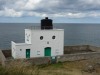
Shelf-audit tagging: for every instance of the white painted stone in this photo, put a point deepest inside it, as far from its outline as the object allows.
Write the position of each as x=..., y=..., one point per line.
x=37, y=46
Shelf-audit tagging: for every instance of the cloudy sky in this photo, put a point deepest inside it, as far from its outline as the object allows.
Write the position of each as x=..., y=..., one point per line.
x=67, y=11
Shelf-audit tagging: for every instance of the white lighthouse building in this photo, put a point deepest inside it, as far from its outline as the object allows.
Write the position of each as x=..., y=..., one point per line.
x=40, y=42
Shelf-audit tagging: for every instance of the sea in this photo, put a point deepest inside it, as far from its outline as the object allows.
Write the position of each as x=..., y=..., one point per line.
x=75, y=33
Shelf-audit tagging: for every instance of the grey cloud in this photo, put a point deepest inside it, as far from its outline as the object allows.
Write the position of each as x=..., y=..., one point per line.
x=6, y=3
x=2, y=3
x=62, y=6
x=56, y=7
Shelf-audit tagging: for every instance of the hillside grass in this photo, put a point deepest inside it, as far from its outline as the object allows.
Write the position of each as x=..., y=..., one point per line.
x=66, y=68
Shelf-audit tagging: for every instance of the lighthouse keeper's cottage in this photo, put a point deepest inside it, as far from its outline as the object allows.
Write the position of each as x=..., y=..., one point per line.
x=40, y=42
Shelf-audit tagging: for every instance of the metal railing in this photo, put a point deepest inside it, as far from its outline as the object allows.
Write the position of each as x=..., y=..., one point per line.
x=41, y=27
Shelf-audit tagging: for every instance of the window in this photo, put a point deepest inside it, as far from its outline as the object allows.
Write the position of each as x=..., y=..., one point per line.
x=38, y=52
x=27, y=38
x=20, y=49
x=57, y=52
x=41, y=37
x=48, y=42
x=53, y=37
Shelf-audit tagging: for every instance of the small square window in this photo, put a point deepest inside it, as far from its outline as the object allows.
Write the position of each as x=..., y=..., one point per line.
x=57, y=52
x=20, y=49
x=47, y=42
x=38, y=52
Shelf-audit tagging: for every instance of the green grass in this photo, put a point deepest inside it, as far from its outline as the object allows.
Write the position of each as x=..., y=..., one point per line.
x=57, y=65
x=66, y=68
x=33, y=70
x=46, y=69
x=11, y=71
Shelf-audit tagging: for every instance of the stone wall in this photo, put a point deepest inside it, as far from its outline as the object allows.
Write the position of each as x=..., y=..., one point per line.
x=78, y=56
x=27, y=62
x=80, y=49
x=72, y=53
x=94, y=48
x=2, y=58
x=47, y=60
x=76, y=49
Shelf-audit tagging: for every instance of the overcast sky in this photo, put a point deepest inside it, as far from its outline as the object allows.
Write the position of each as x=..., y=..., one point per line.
x=61, y=11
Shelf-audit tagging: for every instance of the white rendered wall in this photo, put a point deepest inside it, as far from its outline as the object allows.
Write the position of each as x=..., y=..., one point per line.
x=28, y=36
x=13, y=47
x=37, y=46
x=21, y=50
x=57, y=44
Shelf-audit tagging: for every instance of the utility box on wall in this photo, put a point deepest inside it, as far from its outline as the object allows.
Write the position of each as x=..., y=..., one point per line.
x=40, y=42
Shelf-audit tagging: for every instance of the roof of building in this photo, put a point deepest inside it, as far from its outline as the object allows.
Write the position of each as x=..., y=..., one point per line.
x=39, y=28
x=22, y=43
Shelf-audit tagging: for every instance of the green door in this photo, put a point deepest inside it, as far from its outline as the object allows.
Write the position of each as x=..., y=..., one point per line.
x=27, y=53
x=47, y=51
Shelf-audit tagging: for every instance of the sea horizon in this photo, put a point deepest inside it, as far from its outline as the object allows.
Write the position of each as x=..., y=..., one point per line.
x=75, y=33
